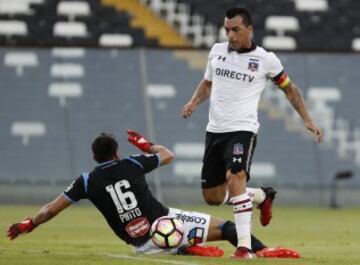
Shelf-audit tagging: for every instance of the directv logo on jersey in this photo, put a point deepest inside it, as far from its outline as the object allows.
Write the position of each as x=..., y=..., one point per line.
x=234, y=75
x=253, y=65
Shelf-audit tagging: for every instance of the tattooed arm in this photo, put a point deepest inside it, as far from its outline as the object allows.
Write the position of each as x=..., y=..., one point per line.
x=294, y=96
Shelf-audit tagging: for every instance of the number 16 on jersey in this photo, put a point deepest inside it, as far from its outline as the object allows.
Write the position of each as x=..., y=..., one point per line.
x=123, y=200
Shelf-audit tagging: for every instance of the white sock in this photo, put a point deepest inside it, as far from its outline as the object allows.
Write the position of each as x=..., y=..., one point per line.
x=242, y=216
x=257, y=196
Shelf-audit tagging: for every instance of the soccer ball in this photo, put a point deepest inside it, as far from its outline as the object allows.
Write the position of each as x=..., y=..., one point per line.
x=167, y=232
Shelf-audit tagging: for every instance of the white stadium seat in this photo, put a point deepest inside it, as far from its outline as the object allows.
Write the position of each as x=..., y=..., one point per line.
x=13, y=27
x=161, y=91
x=282, y=23
x=67, y=70
x=279, y=42
x=187, y=169
x=73, y=9
x=19, y=60
x=355, y=45
x=70, y=29
x=115, y=40
x=263, y=170
x=15, y=7
x=68, y=52
x=318, y=99
x=65, y=90
x=189, y=150
x=28, y=2
x=311, y=5
x=27, y=129
x=321, y=94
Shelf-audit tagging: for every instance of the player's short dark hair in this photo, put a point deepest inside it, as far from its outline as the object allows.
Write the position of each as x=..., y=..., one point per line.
x=104, y=147
x=239, y=11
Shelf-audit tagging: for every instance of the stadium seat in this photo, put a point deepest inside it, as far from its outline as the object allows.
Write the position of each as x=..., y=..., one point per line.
x=73, y=9
x=28, y=129
x=12, y=7
x=68, y=52
x=70, y=29
x=188, y=163
x=323, y=94
x=311, y=5
x=319, y=99
x=282, y=23
x=115, y=40
x=20, y=60
x=355, y=45
x=263, y=170
x=188, y=171
x=67, y=70
x=189, y=150
x=159, y=91
x=13, y=27
x=279, y=42
x=64, y=91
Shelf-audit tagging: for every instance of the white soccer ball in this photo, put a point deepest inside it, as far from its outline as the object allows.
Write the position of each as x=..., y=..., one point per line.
x=167, y=232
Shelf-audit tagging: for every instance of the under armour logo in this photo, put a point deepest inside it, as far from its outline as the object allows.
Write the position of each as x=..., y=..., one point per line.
x=222, y=58
x=237, y=160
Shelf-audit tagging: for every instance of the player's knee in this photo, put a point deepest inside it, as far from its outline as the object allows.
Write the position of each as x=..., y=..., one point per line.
x=213, y=199
x=237, y=178
x=236, y=183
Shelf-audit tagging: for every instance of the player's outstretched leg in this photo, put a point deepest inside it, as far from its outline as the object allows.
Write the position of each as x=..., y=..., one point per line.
x=266, y=206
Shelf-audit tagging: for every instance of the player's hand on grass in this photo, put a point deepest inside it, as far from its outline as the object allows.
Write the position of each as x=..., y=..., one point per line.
x=25, y=226
x=139, y=141
x=311, y=126
x=188, y=109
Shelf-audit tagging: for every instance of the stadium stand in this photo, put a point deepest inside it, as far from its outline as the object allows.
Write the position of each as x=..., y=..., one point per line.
x=67, y=23
x=78, y=93
x=279, y=24
x=201, y=22
x=56, y=98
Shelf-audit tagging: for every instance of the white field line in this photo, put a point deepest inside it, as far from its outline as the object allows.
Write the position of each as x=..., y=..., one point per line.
x=165, y=261
x=110, y=255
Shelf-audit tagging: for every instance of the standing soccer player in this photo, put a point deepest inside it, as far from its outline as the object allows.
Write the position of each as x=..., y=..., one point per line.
x=235, y=77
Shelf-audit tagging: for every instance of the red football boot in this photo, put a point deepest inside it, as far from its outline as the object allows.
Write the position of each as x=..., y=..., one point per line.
x=242, y=253
x=266, y=206
x=204, y=251
x=278, y=252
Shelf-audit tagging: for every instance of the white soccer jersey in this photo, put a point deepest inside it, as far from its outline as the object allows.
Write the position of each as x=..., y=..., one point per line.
x=238, y=80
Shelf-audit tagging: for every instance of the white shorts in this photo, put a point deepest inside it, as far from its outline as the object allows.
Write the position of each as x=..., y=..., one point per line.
x=196, y=228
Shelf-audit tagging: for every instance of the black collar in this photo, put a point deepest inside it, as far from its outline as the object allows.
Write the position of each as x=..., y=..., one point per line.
x=106, y=163
x=243, y=50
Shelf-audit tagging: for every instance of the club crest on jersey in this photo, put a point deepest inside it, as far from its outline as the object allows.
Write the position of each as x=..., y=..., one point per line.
x=238, y=149
x=196, y=236
x=253, y=65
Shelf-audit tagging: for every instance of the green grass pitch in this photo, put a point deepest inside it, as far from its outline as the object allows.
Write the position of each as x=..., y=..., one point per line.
x=80, y=235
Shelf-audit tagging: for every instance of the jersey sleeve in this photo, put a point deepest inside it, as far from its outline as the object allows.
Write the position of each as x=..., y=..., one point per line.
x=273, y=66
x=145, y=163
x=208, y=75
x=76, y=190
